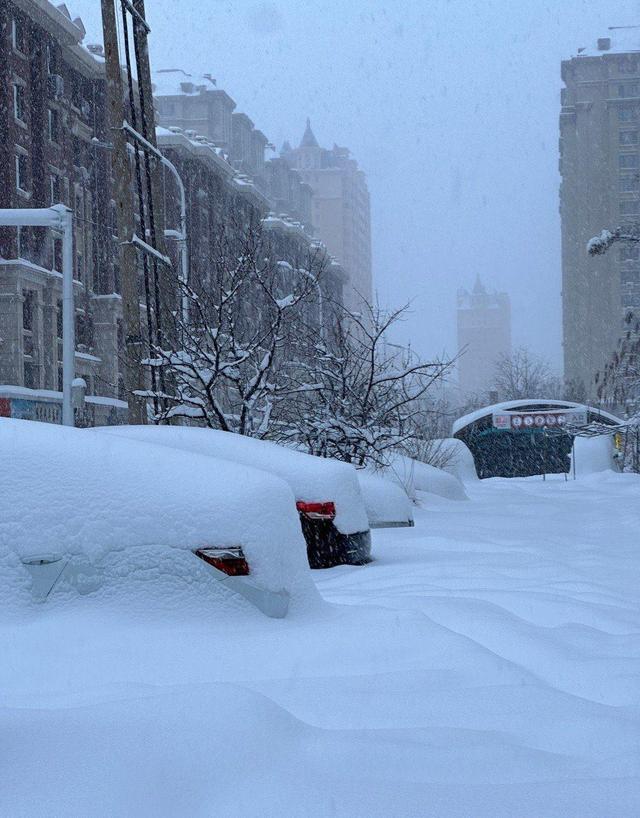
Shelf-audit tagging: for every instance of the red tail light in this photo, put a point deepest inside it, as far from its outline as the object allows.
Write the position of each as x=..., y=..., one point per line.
x=317, y=511
x=229, y=560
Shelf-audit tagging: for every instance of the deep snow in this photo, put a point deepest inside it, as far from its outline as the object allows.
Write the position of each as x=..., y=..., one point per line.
x=486, y=664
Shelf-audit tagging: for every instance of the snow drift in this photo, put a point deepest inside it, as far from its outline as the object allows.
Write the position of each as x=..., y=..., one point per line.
x=414, y=476
x=457, y=458
x=592, y=455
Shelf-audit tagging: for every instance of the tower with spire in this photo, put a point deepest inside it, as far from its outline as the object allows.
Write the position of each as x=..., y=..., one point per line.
x=341, y=212
x=484, y=335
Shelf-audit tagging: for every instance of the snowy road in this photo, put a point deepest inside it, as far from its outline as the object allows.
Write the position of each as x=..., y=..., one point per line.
x=486, y=664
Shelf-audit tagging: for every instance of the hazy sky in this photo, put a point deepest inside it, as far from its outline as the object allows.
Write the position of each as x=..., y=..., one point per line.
x=450, y=106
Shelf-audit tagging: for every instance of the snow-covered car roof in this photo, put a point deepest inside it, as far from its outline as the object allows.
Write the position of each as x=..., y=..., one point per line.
x=62, y=490
x=312, y=479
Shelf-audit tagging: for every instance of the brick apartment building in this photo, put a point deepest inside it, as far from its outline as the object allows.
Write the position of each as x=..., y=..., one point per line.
x=54, y=148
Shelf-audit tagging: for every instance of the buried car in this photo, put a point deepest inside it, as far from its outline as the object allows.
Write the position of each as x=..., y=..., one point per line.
x=77, y=509
x=327, y=493
x=386, y=502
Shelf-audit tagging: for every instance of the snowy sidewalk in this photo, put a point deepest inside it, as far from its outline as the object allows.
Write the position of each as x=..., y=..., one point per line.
x=486, y=664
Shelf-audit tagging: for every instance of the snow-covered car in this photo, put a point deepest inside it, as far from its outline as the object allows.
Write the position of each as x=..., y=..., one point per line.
x=386, y=502
x=416, y=476
x=327, y=493
x=74, y=507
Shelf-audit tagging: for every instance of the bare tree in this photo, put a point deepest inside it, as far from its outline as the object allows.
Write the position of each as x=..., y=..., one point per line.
x=230, y=362
x=523, y=375
x=369, y=404
x=618, y=385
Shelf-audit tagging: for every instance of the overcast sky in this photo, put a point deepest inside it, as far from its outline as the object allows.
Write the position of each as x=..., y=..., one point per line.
x=450, y=106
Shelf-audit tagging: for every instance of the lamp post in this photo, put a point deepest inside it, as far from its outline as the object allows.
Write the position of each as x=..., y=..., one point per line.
x=58, y=217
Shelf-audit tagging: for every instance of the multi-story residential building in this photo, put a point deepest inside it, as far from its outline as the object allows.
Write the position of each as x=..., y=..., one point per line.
x=197, y=106
x=52, y=105
x=218, y=198
x=484, y=335
x=341, y=211
x=55, y=148
x=600, y=169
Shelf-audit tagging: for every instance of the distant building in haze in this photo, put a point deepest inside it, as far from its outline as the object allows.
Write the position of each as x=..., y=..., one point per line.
x=340, y=215
x=484, y=334
x=600, y=168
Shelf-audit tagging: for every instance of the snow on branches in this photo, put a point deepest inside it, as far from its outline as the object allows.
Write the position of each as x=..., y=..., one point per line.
x=373, y=394
x=598, y=245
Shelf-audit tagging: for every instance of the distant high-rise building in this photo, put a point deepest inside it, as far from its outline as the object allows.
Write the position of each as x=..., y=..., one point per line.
x=600, y=168
x=340, y=215
x=484, y=335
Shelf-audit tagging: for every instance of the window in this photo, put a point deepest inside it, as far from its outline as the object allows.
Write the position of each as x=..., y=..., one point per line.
x=57, y=254
x=76, y=90
x=627, y=89
x=31, y=375
x=54, y=125
x=627, y=113
x=54, y=187
x=51, y=59
x=628, y=137
x=59, y=319
x=628, y=160
x=18, y=34
x=630, y=208
x=28, y=309
x=629, y=184
x=18, y=102
x=28, y=349
x=629, y=252
x=630, y=277
x=21, y=172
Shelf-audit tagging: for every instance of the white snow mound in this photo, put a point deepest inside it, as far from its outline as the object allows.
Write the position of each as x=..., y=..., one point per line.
x=415, y=476
x=458, y=457
x=592, y=455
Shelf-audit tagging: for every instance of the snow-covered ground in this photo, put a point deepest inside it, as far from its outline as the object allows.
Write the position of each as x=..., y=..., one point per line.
x=486, y=664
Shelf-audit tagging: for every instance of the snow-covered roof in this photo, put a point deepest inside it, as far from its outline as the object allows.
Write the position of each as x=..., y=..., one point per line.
x=199, y=146
x=171, y=82
x=615, y=41
x=512, y=405
x=313, y=479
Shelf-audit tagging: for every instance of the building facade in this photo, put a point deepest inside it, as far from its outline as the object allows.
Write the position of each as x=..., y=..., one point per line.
x=600, y=188
x=55, y=148
x=52, y=105
x=484, y=335
x=340, y=210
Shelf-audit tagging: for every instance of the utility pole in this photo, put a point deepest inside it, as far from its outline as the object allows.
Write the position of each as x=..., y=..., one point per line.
x=133, y=341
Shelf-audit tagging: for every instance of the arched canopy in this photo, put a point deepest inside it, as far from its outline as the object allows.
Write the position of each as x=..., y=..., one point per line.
x=532, y=405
